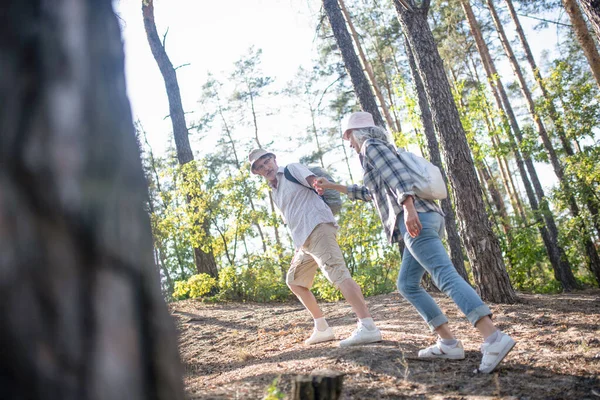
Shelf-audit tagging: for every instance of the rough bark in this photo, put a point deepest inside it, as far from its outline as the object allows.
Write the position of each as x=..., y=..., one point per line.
x=584, y=37
x=454, y=245
x=549, y=231
x=80, y=303
x=482, y=246
x=205, y=261
x=593, y=258
x=592, y=10
x=351, y=61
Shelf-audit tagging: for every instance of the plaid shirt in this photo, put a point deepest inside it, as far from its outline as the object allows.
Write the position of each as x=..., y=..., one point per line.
x=387, y=183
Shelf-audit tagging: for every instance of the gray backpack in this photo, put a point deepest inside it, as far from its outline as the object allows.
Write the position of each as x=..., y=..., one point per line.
x=331, y=197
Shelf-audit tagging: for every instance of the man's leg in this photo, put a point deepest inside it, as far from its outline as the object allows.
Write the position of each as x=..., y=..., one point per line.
x=353, y=295
x=299, y=279
x=307, y=298
x=323, y=247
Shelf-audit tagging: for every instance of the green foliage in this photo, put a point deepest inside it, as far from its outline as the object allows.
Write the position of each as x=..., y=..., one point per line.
x=196, y=286
x=373, y=262
x=261, y=280
x=525, y=255
x=575, y=94
x=273, y=393
x=201, y=284
x=324, y=290
x=182, y=290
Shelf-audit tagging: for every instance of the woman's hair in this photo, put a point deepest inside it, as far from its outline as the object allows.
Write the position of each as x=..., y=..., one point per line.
x=373, y=132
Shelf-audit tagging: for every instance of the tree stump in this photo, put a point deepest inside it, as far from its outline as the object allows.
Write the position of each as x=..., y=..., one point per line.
x=319, y=385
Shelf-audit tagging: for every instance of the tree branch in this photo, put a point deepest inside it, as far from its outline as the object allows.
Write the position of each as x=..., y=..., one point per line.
x=165, y=38
x=182, y=65
x=406, y=5
x=546, y=20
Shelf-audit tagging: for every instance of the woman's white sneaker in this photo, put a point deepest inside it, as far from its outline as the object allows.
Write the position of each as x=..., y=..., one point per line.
x=320, y=336
x=440, y=350
x=362, y=335
x=494, y=353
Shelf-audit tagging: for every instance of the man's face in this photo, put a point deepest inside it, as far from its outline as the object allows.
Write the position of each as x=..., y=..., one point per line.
x=266, y=167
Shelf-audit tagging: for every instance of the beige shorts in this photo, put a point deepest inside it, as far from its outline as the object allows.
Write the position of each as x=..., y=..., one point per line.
x=321, y=250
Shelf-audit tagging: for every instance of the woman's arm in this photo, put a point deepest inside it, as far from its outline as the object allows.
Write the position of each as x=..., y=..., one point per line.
x=321, y=184
x=354, y=192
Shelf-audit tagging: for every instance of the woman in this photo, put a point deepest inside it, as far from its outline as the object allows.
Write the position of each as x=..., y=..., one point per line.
x=420, y=223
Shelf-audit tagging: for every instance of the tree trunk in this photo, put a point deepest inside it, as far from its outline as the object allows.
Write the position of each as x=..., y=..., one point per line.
x=583, y=36
x=456, y=252
x=496, y=197
x=592, y=10
x=324, y=385
x=368, y=68
x=388, y=87
x=507, y=180
x=593, y=258
x=549, y=232
x=352, y=63
x=81, y=309
x=483, y=248
x=205, y=261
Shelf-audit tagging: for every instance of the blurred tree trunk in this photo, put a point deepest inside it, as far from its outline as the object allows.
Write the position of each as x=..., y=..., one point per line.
x=549, y=231
x=205, y=260
x=351, y=61
x=592, y=10
x=456, y=252
x=80, y=303
x=593, y=259
x=584, y=37
x=482, y=246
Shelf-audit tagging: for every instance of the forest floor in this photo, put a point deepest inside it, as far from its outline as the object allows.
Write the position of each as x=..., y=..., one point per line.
x=237, y=350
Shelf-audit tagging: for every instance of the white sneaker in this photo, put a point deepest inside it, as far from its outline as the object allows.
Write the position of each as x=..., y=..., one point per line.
x=362, y=335
x=441, y=350
x=494, y=353
x=320, y=336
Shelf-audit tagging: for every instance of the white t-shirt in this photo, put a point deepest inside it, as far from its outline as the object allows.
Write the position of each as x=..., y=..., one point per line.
x=302, y=208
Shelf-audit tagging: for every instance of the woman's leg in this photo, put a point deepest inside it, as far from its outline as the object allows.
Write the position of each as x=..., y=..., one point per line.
x=428, y=250
x=409, y=286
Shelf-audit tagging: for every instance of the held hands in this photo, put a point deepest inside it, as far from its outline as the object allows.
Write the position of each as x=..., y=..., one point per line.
x=320, y=184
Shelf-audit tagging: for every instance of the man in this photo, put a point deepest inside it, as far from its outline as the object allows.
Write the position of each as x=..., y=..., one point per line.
x=313, y=228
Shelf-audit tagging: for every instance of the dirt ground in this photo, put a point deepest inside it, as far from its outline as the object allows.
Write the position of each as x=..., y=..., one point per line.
x=237, y=350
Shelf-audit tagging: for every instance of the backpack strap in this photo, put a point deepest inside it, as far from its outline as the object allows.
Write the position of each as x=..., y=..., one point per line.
x=290, y=177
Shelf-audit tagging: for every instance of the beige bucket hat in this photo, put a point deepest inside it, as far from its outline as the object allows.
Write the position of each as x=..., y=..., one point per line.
x=255, y=155
x=360, y=119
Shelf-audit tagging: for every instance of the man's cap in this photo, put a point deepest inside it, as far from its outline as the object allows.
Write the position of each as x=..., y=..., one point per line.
x=357, y=120
x=255, y=155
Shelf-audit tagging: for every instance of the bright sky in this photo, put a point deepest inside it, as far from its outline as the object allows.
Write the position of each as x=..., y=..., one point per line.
x=211, y=36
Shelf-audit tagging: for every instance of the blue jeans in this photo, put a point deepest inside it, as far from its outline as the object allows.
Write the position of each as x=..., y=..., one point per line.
x=427, y=253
